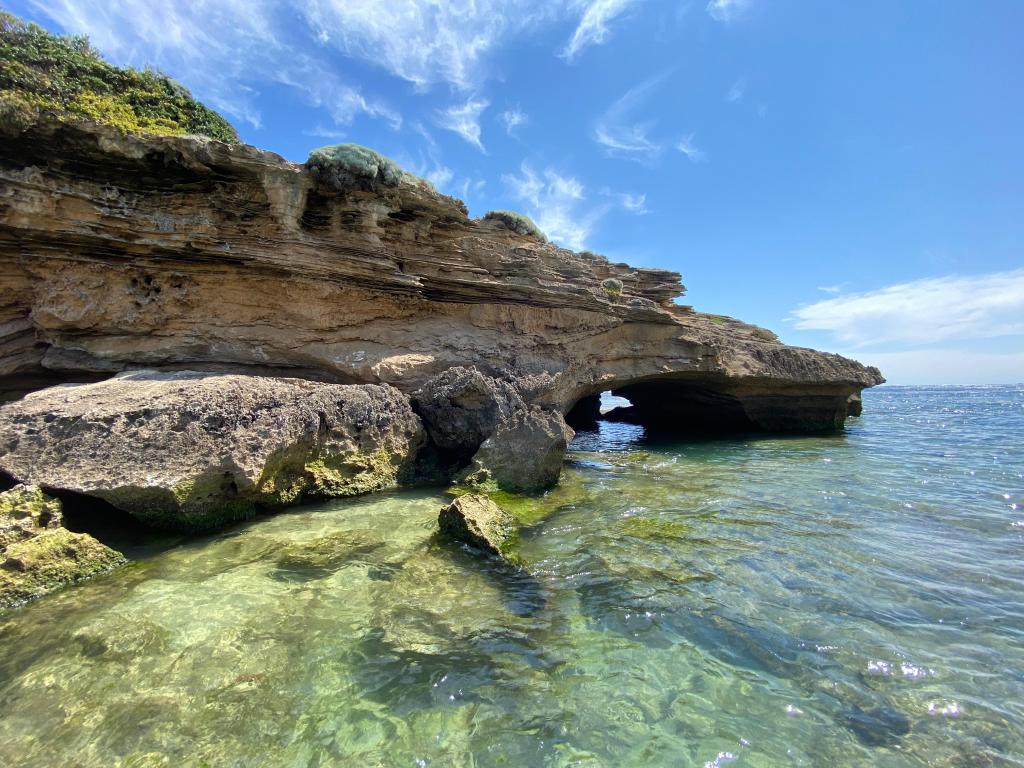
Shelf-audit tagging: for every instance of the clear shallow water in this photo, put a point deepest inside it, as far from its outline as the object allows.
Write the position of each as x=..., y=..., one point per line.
x=828, y=601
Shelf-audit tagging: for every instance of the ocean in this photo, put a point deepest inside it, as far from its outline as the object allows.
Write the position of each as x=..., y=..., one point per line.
x=845, y=600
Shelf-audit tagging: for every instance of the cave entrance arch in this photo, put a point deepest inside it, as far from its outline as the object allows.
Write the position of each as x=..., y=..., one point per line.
x=681, y=405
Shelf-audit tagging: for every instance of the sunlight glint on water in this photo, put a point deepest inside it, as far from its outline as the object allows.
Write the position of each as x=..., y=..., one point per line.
x=847, y=600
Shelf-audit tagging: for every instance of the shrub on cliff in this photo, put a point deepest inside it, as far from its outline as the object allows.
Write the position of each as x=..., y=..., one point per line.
x=612, y=286
x=66, y=77
x=518, y=223
x=351, y=166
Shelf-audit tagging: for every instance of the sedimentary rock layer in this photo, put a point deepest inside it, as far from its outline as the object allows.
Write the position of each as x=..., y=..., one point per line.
x=120, y=252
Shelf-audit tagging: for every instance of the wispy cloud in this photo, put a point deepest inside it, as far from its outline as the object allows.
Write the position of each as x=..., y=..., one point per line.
x=224, y=51
x=512, y=118
x=553, y=202
x=736, y=92
x=229, y=51
x=688, y=148
x=726, y=10
x=426, y=41
x=593, y=26
x=623, y=136
x=464, y=119
x=920, y=312
x=635, y=203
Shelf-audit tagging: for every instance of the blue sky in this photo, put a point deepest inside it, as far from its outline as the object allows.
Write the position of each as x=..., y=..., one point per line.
x=849, y=174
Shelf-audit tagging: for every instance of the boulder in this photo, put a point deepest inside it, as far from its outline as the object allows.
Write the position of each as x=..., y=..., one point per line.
x=478, y=521
x=524, y=454
x=189, y=450
x=462, y=407
x=37, y=554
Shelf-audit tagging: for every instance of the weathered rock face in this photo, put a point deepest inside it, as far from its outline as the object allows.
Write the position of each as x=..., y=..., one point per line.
x=121, y=252
x=39, y=555
x=478, y=521
x=192, y=450
x=462, y=407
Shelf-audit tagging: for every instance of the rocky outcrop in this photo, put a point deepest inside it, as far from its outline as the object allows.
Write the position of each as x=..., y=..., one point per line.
x=479, y=522
x=524, y=454
x=37, y=554
x=191, y=450
x=122, y=252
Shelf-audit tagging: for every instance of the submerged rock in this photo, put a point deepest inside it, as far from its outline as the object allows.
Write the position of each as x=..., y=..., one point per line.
x=37, y=554
x=478, y=521
x=191, y=450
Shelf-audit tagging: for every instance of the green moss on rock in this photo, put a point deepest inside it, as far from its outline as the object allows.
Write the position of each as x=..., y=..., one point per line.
x=37, y=555
x=478, y=521
x=67, y=78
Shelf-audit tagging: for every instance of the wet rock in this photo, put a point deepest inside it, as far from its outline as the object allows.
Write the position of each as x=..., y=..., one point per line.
x=478, y=521
x=190, y=450
x=37, y=554
x=524, y=454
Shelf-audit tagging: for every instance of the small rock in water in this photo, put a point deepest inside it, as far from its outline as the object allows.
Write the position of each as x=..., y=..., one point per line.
x=478, y=521
x=878, y=727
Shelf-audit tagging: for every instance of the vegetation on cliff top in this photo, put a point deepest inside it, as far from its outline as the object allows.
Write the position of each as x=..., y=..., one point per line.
x=518, y=223
x=348, y=166
x=66, y=77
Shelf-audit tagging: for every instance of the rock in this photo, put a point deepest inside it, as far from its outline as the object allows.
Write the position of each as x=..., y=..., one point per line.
x=478, y=521
x=462, y=407
x=188, y=450
x=524, y=454
x=38, y=555
x=174, y=252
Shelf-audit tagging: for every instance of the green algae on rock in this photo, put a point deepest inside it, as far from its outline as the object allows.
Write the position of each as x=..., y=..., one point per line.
x=38, y=555
x=478, y=521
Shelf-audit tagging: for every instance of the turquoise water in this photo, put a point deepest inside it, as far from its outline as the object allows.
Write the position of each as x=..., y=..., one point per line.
x=818, y=601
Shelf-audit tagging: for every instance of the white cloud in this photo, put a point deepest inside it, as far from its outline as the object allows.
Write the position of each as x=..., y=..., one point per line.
x=553, y=202
x=927, y=311
x=619, y=134
x=832, y=288
x=688, y=148
x=228, y=50
x=726, y=10
x=512, y=118
x=593, y=26
x=634, y=203
x=464, y=120
x=736, y=91
x=224, y=51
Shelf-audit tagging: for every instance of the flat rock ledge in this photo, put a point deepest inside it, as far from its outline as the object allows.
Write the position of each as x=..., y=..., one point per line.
x=190, y=451
x=479, y=522
x=37, y=554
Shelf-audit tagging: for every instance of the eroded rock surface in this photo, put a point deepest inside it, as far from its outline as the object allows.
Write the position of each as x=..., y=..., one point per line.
x=121, y=252
x=192, y=450
x=39, y=555
x=478, y=521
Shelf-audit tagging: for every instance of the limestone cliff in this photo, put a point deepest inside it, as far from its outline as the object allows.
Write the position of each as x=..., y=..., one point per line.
x=120, y=252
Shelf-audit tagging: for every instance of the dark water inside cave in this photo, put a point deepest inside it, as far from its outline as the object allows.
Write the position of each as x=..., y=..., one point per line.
x=821, y=601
